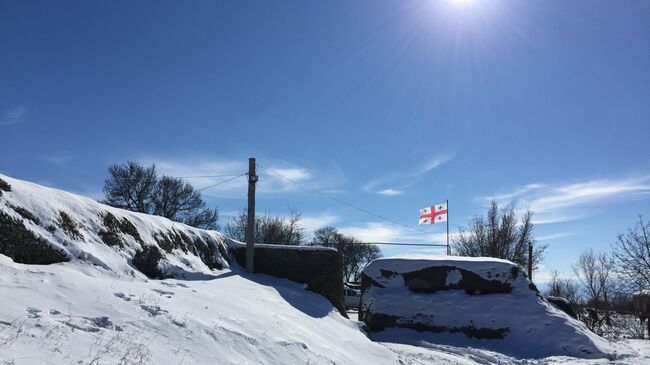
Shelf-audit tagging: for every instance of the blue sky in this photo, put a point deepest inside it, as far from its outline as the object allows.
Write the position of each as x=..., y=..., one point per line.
x=389, y=105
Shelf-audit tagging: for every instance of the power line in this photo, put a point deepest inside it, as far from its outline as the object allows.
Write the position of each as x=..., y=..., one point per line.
x=180, y=177
x=222, y=182
x=344, y=202
x=382, y=243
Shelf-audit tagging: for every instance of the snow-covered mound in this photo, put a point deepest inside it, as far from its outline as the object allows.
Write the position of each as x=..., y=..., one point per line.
x=74, y=313
x=477, y=302
x=40, y=225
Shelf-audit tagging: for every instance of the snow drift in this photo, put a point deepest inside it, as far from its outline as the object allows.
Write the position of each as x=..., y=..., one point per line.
x=480, y=302
x=40, y=225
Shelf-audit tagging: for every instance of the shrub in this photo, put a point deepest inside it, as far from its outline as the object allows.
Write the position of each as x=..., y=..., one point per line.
x=25, y=214
x=113, y=227
x=69, y=226
x=147, y=259
x=17, y=242
x=4, y=186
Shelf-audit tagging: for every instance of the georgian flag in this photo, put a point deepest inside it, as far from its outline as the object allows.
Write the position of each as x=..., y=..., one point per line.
x=433, y=214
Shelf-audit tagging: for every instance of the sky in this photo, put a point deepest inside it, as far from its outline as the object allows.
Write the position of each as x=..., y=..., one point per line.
x=389, y=106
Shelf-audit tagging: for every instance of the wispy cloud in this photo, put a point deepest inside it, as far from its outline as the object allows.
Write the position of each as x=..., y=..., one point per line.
x=561, y=203
x=396, y=182
x=554, y=236
x=14, y=116
x=390, y=192
x=275, y=177
x=59, y=159
x=387, y=232
x=312, y=222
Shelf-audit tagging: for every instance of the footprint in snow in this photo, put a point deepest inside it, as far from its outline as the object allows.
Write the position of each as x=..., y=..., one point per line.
x=123, y=296
x=33, y=312
x=153, y=310
x=91, y=324
x=164, y=293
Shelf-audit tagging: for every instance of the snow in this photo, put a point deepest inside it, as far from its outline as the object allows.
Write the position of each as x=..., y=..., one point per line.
x=73, y=312
x=97, y=309
x=408, y=263
x=536, y=329
x=46, y=204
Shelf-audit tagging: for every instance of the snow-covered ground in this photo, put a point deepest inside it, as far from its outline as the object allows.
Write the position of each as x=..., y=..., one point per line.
x=73, y=313
x=98, y=309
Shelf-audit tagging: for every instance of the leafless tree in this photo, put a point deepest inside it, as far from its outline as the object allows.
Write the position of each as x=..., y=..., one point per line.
x=594, y=272
x=500, y=235
x=269, y=228
x=564, y=288
x=138, y=188
x=632, y=255
x=356, y=254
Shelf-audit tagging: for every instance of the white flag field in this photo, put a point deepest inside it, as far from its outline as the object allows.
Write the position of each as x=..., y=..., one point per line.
x=434, y=214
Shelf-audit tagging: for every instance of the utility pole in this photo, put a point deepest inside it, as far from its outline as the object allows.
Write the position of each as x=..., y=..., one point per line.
x=250, y=227
x=530, y=261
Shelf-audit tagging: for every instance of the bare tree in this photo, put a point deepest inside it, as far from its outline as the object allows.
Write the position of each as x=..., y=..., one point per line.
x=500, y=235
x=131, y=187
x=356, y=254
x=138, y=188
x=632, y=255
x=594, y=272
x=269, y=229
x=563, y=287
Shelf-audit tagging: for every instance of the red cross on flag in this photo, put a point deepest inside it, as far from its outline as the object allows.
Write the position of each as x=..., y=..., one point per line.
x=434, y=214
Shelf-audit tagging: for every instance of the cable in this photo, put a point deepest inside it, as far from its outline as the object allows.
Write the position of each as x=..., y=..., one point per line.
x=344, y=202
x=222, y=182
x=180, y=177
x=384, y=243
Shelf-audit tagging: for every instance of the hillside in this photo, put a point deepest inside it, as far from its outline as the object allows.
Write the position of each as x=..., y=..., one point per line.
x=56, y=226
x=87, y=302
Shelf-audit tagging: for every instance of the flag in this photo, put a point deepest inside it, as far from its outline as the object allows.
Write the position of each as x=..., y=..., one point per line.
x=434, y=214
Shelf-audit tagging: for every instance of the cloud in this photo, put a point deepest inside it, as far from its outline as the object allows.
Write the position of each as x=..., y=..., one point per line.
x=562, y=203
x=390, y=192
x=387, y=232
x=15, y=116
x=312, y=222
x=394, y=183
x=59, y=159
x=373, y=232
x=274, y=177
x=554, y=236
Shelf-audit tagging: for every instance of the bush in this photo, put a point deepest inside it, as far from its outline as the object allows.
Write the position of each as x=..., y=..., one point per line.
x=17, y=242
x=147, y=259
x=4, y=186
x=25, y=214
x=69, y=226
x=113, y=227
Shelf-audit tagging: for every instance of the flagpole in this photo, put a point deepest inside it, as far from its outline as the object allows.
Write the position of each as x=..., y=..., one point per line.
x=448, y=249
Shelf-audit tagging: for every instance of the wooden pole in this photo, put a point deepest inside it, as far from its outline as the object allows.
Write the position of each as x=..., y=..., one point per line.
x=250, y=226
